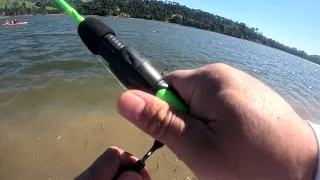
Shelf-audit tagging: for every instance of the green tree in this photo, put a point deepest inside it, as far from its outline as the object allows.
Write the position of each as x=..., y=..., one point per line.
x=24, y=5
x=176, y=18
x=116, y=11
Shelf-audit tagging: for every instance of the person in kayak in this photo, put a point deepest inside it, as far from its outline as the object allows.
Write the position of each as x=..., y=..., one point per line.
x=237, y=128
x=7, y=21
x=15, y=21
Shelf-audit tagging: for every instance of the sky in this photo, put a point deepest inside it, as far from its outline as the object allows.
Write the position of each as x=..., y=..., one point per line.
x=295, y=23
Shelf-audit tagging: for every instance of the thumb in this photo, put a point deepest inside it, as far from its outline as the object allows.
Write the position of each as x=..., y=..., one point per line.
x=178, y=131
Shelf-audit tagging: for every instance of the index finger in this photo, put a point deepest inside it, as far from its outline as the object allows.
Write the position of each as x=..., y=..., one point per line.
x=109, y=163
x=127, y=159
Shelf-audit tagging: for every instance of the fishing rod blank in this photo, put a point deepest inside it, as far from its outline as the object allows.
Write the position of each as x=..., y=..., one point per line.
x=131, y=69
x=128, y=66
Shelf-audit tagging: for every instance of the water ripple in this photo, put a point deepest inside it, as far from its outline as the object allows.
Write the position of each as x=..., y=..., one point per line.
x=48, y=48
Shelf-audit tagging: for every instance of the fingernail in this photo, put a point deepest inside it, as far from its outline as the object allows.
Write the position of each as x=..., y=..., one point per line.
x=131, y=106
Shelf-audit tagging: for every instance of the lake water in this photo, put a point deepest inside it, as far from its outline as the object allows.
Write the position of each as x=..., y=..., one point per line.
x=58, y=103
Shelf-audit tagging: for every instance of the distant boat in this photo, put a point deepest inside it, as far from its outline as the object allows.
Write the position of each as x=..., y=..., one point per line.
x=15, y=24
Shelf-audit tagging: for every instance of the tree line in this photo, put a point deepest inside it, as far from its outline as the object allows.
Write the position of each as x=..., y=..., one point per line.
x=175, y=13
x=17, y=8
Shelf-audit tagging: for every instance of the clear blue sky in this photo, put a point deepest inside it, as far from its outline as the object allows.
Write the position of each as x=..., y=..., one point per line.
x=295, y=23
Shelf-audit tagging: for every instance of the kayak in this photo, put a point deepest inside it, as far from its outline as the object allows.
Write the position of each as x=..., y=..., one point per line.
x=14, y=24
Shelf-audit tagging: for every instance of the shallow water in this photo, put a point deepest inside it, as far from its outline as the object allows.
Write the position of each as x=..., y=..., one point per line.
x=58, y=103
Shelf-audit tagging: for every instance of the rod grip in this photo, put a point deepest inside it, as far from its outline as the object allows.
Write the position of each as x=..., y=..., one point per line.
x=172, y=98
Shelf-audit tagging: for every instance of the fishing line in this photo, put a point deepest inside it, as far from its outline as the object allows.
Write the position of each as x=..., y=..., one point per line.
x=111, y=73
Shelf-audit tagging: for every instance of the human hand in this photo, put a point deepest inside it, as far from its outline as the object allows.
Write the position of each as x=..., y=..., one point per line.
x=238, y=128
x=109, y=163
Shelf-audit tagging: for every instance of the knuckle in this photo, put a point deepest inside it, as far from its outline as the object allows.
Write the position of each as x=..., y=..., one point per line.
x=212, y=71
x=217, y=67
x=161, y=119
x=222, y=75
x=213, y=76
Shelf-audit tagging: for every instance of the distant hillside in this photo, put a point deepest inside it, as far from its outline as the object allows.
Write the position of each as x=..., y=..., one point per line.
x=173, y=12
x=29, y=4
x=21, y=7
x=10, y=5
x=155, y=10
x=314, y=58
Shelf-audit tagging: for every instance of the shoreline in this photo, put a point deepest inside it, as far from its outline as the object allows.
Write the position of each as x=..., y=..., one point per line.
x=4, y=17
x=55, y=14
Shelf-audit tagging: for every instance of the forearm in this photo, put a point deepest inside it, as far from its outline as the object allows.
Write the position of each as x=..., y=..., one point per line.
x=315, y=170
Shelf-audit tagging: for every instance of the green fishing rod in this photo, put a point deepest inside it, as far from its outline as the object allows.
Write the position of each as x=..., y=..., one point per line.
x=130, y=68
